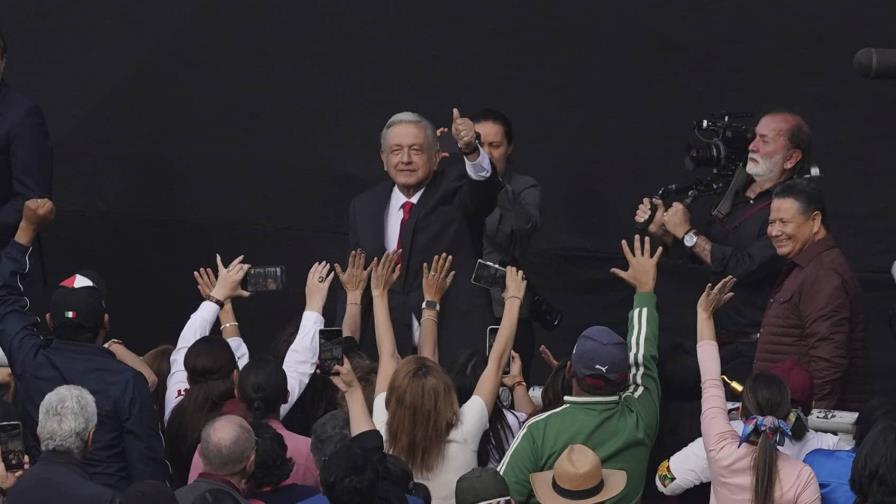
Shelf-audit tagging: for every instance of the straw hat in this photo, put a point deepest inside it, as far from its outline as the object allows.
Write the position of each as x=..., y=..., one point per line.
x=578, y=477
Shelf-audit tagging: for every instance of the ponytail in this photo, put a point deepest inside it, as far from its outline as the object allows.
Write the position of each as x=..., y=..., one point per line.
x=765, y=463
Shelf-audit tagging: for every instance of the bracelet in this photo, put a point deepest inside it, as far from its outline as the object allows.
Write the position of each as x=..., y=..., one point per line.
x=215, y=300
x=471, y=151
x=513, y=297
x=516, y=383
x=229, y=324
x=429, y=317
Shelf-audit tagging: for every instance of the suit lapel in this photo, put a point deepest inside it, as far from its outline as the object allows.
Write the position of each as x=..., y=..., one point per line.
x=407, y=231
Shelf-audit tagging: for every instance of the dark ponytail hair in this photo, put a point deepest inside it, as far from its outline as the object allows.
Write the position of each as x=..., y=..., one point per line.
x=262, y=388
x=765, y=394
x=210, y=364
x=558, y=385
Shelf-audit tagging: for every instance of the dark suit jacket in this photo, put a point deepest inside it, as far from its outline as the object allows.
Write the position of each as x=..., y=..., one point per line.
x=59, y=477
x=26, y=161
x=449, y=217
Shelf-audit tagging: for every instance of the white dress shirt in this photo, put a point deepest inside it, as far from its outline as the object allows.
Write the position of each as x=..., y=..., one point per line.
x=480, y=169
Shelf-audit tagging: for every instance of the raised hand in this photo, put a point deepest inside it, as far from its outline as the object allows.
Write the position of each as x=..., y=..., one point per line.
x=205, y=281
x=641, y=272
x=344, y=376
x=514, y=284
x=38, y=212
x=439, y=133
x=464, y=132
x=437, y=280
x=714, y=297
x=655, y=227
x=548, y=357
x=677, y=220
x=516, y=370
x=227, y=285
x=317, y=285
x=354, y=277
x=385, y=272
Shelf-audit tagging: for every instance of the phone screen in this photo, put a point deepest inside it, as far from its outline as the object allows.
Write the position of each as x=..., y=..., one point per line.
x=490, y=334
x=488, y=275
x=265, y=279
x=330, y=349
x=12, y=445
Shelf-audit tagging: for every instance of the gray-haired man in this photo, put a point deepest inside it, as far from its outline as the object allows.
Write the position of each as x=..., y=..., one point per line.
x=424, y=209
x=66, y=421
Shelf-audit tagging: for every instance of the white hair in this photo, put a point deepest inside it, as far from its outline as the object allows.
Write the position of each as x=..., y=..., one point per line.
x=411, y=118
x=226, y=444
x=66, y=417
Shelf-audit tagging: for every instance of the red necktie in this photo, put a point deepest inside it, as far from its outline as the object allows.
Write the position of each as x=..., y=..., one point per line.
x=406, y=208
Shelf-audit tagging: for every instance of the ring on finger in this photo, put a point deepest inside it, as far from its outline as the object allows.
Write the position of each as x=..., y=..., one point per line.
x=320, y=279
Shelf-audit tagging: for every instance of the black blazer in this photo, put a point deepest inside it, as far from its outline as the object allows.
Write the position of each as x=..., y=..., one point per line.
x=59, y=477
x=26, y=161
x=449, y=217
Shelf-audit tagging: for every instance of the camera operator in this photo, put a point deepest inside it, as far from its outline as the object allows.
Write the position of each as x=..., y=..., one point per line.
x=737, y=244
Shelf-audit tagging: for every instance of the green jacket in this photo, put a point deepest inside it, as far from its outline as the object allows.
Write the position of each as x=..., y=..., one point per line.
x=620, y=429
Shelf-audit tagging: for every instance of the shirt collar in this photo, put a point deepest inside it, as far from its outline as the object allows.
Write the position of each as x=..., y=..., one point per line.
x=221, y=480
x=397, y=198
x=813, y=250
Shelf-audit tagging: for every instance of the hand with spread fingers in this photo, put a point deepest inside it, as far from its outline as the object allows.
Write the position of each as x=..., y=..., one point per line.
x=385, y=272
x=205, y=282
x=317, y=285
x=714, y=297
x=437, y=279
x=227, y=285
x=641, y=272
x=354, y=278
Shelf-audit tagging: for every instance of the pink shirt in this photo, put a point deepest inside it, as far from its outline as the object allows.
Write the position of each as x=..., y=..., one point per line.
x=731, y=468
x=298, y=448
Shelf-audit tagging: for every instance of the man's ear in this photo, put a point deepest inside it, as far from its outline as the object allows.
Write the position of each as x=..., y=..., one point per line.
x=49, y=319
x=793, y=158
x=815, y=218
x=569, y=371
x=106, y=324
x=509, y=149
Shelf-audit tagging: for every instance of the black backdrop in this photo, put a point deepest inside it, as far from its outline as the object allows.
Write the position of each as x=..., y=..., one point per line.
x=185, y=128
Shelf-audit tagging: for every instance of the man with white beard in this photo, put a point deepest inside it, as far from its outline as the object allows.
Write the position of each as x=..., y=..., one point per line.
x=737, y=244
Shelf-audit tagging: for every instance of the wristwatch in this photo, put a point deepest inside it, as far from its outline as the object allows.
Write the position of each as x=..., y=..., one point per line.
x=430, y=305
x=690, y=238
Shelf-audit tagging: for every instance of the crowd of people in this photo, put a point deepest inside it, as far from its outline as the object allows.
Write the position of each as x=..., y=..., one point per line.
x=415, y=408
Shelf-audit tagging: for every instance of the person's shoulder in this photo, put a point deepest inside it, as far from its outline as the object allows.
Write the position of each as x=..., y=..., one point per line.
x=373, y=193
x=520, y=181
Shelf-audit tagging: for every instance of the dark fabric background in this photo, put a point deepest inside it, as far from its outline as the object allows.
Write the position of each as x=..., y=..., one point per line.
x=185, y=128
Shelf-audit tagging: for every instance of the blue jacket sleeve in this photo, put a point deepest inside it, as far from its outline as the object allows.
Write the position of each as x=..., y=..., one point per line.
x=18, y=327
x=32, y=162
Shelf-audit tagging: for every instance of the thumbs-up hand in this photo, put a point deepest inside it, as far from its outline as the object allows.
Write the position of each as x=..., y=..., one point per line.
x=464, y=132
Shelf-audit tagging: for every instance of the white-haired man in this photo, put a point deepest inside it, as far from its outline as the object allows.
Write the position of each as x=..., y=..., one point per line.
x=424, y=209
x=66, y=421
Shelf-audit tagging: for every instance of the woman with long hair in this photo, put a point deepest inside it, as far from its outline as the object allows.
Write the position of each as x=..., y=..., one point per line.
x=159, y=361
x=746, y=466
x=416, y=406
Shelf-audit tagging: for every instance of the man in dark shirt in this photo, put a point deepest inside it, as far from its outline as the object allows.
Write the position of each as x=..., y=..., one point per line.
x=127, y=445
x=737, y=244
x=68, y=417
x=815, y=313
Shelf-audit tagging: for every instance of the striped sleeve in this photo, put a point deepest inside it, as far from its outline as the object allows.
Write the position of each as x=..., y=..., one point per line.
x=644, y=385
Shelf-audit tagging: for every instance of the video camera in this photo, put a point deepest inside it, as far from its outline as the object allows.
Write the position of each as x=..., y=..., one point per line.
x=722, y=148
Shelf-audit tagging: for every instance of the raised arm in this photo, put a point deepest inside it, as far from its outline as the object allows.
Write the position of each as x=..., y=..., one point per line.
x=301, y=357
x=490, y=379
x=200, y=323
x=358, y=414
x=354, y=281
x=125, y=356
x=385, y=273
x=514, y=381
x=205, y=282
x=714, y=415
x=18, y=327
x=435, y=282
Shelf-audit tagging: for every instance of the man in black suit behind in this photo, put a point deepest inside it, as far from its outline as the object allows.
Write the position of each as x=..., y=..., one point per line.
x=26, y=164
x=424, y=210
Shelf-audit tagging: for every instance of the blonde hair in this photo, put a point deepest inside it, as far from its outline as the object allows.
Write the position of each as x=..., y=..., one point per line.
x=423, y=409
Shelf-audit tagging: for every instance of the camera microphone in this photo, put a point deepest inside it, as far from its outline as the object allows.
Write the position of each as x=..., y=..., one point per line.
x=875, y=63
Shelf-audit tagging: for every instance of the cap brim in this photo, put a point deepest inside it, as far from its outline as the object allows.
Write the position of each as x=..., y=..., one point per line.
x=614, y=483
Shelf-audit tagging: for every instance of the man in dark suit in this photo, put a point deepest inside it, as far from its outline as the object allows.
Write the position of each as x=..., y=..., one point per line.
x=67, y=421
x=26, y=163
x=426, y=209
